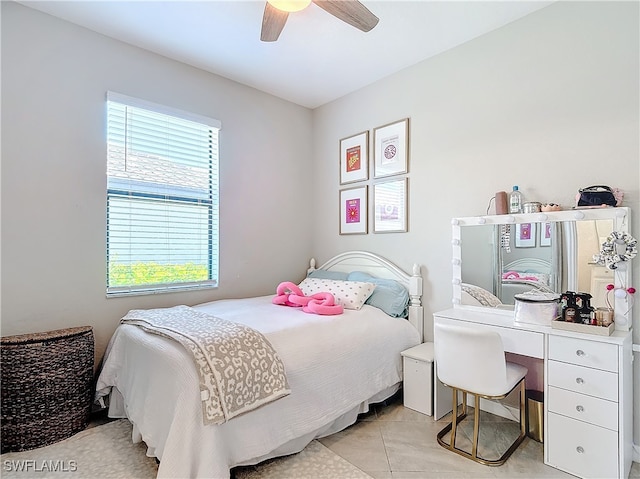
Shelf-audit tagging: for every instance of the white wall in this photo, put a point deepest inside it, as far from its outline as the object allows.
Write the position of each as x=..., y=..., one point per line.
x=549, y=103
x=54, y=79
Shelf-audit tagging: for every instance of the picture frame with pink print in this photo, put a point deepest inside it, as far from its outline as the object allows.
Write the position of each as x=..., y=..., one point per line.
x=353, y=211
x=525, y=235
x=545, y=234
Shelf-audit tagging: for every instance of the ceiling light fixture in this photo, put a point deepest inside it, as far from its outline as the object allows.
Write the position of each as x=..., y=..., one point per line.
x=290, y=5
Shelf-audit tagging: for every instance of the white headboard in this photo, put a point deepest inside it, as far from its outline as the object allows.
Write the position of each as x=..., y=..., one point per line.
x=531, y=265
x=381, y=268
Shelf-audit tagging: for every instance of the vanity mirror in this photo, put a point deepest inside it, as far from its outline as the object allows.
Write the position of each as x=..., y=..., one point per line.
x=495, y=257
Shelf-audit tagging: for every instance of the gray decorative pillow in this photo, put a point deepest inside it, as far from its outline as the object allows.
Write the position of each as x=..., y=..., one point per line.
x=484, y=297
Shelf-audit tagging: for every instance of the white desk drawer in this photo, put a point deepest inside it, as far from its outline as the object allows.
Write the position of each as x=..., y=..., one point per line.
x=594, y=382
x=518, y=341
x=585, y=353
x=596, y=411
x=582, y=449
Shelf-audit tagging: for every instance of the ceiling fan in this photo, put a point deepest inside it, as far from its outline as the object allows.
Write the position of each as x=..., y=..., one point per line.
x=276, y=13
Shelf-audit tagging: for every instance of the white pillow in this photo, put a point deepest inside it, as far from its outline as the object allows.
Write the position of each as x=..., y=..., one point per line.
x=350, y=294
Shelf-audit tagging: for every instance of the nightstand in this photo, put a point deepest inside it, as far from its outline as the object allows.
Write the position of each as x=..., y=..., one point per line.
x=417, y=365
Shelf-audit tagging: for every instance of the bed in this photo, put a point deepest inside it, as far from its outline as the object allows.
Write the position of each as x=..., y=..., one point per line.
x=524, y=275
x=336, y=366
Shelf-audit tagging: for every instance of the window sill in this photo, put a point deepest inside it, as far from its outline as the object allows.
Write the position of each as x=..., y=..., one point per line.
x=119, y=293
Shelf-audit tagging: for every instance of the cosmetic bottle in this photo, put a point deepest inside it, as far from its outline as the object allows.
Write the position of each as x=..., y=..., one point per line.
x=568, y=301
x=515, y=201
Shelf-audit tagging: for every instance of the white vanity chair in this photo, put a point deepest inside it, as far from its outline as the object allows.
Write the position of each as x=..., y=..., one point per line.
x=472, y=361
x=586, y=375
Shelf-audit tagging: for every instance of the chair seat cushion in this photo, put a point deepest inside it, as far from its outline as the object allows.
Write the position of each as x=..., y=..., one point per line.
x=515, y=373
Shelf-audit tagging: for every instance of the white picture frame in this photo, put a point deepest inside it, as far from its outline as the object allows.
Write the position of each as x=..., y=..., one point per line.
x=525, y=235
x=390, y=206
x=354, y=158
x=545, y=234
x=391, y=149
x=353, y=210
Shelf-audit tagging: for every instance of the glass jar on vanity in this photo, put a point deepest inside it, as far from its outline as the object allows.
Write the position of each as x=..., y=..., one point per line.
x=500, y=256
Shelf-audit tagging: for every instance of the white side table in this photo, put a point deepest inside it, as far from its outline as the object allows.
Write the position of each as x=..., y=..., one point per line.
x=417, y=365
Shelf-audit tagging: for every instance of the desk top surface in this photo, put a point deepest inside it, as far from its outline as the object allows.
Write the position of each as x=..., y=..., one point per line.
x=504, y=319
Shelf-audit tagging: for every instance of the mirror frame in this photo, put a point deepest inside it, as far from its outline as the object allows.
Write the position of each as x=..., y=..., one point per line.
x=621, y=217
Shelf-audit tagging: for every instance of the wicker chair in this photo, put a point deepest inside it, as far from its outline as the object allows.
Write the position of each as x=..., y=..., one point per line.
x=47, y=386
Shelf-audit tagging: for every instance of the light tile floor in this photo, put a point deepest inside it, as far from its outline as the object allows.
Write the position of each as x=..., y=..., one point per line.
x=394, y=442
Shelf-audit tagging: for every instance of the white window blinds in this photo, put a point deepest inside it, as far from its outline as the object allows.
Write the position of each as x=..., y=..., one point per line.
x=162, y=198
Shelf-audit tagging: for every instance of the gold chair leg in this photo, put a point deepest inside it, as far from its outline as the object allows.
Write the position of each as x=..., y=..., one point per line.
x=453, y=425
x=464, y=402
x=523, y=415
x=523, y=429
x=456, y=419
x=476, y=426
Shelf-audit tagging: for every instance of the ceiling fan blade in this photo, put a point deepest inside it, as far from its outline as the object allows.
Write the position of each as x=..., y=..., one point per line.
x=350, y=11
x=273, y=22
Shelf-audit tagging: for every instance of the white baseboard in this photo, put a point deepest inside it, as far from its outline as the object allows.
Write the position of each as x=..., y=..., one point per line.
x=636, y=453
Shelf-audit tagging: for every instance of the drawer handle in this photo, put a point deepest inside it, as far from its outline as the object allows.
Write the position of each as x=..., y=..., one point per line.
x=580, y=450
x=579, y=352
x=579, y=408
x=580, y=380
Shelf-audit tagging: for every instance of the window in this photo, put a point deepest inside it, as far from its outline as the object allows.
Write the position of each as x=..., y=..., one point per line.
x=162, y=198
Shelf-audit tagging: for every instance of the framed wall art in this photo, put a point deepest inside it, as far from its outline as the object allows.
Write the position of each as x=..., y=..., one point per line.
x=390, y=205
x=354, y=158
x=353, y=210
x=545, y=234
x=391, y=149
x=525, y=235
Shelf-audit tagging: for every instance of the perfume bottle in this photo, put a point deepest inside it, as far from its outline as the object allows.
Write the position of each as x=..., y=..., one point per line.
x=568, y=301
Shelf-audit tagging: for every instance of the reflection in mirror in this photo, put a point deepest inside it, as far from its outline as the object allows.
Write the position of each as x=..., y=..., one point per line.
x=507, y=259
x=488, y=250
x=592, y=277
x=528, y=257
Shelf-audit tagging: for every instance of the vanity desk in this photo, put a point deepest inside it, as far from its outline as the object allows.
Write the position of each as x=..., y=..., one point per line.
x=588, y=390
x=587, y=378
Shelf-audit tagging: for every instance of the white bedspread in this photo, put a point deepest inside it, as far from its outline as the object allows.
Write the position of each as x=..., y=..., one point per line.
x=334, y=365
x=239, y=369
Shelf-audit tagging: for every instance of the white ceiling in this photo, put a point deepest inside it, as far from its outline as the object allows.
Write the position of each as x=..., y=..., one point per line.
x=317, y=58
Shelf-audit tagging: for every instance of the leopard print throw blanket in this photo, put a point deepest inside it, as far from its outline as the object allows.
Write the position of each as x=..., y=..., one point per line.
x=238, y=368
